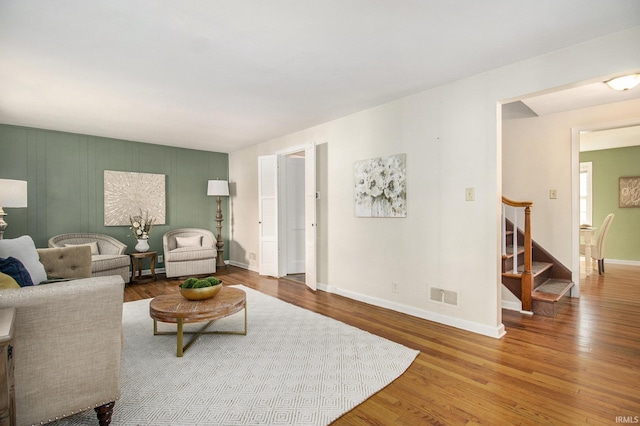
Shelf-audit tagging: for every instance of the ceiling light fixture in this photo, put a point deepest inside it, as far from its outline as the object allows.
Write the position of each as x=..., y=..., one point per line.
x=624, y=83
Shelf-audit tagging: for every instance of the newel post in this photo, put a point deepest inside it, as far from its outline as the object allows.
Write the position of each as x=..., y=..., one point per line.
x=527, y=274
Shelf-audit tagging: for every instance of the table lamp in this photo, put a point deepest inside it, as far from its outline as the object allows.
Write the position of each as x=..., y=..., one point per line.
x=13, y=193
x=219, y=188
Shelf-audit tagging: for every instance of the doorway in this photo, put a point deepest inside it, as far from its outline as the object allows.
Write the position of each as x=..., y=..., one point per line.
x=535, y=128
x=287, y=214
x=293, y=217
x=607, y=152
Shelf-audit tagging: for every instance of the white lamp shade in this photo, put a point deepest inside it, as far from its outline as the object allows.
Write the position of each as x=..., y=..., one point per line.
x=13, y=193
x=218, y=187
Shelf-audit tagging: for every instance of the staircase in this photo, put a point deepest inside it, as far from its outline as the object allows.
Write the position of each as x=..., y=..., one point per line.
x=539, y=280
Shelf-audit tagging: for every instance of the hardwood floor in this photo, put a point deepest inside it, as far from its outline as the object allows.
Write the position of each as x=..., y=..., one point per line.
x=582, y=367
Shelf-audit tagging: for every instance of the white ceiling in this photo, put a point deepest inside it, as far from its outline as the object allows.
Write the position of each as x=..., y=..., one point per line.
x=619, y=137
x=584, y=96
x=561, y=100
x=575, y=98
x=220, y=75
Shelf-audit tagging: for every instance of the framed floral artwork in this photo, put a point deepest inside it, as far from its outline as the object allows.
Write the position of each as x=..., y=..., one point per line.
x=127, y=194
x=629, y=191
x=380, y=187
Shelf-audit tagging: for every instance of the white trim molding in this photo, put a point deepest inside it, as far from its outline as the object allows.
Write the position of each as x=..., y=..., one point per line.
x=243, y=266
x=495, y=332
x=623, y=262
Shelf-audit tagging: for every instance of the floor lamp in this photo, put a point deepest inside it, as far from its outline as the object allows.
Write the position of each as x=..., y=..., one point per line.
x=219, y=188
x=13, y=193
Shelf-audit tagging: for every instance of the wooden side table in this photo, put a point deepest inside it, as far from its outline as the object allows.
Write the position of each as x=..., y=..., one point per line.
x=137, y=264
x=7, y=396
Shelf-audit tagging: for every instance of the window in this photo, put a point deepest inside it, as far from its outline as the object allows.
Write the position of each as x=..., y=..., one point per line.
x=586, y=204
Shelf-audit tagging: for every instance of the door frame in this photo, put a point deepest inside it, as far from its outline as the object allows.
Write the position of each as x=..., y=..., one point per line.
x=283, y=200
x=575, y=192
x=280, y=157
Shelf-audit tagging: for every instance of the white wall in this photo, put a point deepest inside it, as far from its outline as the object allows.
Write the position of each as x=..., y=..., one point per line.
x=452, y=140
x=546, y=144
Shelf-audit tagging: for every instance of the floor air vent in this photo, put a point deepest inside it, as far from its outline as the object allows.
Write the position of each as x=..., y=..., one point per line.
x=446, y=297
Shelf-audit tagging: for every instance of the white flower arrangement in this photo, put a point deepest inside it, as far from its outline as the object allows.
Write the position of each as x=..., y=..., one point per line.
x=141, y=225
x=380, y=188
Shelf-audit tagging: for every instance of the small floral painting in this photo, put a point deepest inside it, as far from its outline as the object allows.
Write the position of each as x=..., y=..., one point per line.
x=380, y=188
x=629, y=191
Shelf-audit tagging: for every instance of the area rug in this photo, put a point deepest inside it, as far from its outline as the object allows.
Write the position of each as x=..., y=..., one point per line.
x=294, y=367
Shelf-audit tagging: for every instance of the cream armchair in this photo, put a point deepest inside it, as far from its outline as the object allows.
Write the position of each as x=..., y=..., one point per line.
x=67, y=341
x=107, y=254
x=188, y=252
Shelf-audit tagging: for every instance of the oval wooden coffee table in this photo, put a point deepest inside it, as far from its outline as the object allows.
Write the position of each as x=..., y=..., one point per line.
x=173, y=308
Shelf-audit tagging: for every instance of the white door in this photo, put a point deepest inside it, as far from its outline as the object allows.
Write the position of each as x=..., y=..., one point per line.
x=268, y=215
x=295, y=216
x=310, y=216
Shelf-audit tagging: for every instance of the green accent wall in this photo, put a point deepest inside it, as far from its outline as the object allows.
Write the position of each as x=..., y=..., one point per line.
x=65, y=175
x=623, y=241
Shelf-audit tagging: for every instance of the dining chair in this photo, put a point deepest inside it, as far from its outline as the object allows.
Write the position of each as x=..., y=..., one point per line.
x=598, y=247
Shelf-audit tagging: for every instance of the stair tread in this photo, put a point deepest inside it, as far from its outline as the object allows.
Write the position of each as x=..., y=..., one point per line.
x=509, y=251
x=552, y=290
x=536, y=268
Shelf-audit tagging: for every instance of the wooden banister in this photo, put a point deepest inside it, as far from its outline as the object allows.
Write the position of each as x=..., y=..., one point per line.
x=512, y=203
x=527, y=274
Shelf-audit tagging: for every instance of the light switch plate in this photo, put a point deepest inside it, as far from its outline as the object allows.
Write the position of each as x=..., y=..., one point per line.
x=553, y=194
x=470, y=194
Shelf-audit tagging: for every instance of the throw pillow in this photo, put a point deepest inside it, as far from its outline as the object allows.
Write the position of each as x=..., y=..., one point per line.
x=24, y=249
x=195, y=241
x=7, y=281
x=92, y=244
x=16, y=270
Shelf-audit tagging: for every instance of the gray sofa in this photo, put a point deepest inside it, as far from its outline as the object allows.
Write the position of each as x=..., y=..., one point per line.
x=108, y=254
x=67, y=340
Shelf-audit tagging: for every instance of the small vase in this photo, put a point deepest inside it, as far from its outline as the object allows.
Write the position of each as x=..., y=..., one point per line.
x=143, y=245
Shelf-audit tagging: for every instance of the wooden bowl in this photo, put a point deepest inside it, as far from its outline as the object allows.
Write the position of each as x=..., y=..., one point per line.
x=200, y=293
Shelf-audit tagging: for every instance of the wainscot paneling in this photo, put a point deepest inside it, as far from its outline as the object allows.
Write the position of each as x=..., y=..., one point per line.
x=65, y=174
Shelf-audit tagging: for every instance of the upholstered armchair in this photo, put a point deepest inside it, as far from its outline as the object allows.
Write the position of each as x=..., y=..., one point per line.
x=107, y=254
x=188, y=252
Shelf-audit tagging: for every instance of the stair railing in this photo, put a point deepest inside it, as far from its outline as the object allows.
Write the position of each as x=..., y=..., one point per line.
x=527, y=274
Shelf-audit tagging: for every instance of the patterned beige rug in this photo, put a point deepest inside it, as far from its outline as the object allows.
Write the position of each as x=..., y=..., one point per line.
x=294, y=367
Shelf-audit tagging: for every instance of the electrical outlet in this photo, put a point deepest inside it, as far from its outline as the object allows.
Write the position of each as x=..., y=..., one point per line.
x=160, y=258
x=470, y=194
x=252, y=256
x=394, y=287
x=553, y=194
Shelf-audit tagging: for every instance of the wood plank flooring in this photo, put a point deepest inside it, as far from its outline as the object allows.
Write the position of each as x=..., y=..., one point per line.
x=580, y=368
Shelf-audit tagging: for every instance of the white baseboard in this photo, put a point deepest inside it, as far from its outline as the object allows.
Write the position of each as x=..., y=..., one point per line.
x=495, y=332
x=616, y=261
x=511, y=305
x=622, y=262
x=158, y=271
x=163, y=270
x=242, y=265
